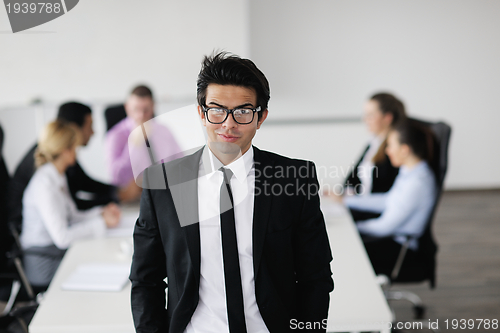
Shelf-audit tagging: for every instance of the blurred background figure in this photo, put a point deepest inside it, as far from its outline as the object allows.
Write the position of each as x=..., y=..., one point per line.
x=405, y=208
x=139, y=109
x=85, y=191
x=5, y=239
x=51, y=219
x=374, y=172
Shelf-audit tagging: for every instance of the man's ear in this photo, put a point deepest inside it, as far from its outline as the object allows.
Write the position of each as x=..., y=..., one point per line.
x=262, y=118
x=202, y=115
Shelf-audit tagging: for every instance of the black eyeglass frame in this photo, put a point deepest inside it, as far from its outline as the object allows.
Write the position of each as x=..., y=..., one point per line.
x=230, y=111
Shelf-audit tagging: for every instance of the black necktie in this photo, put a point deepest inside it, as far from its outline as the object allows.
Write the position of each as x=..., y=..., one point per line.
x=232, y=275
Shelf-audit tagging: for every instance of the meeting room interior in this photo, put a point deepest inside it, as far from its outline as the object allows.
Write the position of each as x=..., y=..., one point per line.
x=373, y=92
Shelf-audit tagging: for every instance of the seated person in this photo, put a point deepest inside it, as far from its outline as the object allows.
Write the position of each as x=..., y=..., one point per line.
x=140, y=111
x=78, y=181
x=5, y=238
x=51, y=220
x=374, y=173
x=406, y=207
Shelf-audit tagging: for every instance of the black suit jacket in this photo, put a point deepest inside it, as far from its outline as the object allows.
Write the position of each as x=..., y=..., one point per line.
x=291, y=251
x=78, y=180
x=5, y=238
x=383, y=175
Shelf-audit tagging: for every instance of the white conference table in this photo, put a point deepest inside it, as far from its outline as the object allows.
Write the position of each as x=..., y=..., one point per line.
x=356, y=304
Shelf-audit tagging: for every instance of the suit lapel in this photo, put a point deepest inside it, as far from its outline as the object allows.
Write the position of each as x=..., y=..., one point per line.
x=264, y=174
x=183, y=185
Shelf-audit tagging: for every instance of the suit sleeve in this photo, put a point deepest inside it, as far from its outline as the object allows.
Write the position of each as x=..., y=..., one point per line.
x=78, y=180
x=148, y=271
x=313, y=257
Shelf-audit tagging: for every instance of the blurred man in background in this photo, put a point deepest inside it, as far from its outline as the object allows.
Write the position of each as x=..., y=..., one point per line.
x=139, y=108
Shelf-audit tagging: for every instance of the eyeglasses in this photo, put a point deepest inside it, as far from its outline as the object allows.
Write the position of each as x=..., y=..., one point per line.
x=219, y=115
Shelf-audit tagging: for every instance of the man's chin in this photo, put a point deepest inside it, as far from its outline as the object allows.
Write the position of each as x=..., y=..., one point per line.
x=226, y=148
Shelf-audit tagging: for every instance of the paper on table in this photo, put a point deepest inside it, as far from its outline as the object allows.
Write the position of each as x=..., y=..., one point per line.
x=98, y=277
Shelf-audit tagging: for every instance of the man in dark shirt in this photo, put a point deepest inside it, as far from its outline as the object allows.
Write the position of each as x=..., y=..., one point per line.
x=85, y=191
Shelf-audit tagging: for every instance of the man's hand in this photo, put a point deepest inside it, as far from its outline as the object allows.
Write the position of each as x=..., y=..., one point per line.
x=130, y=193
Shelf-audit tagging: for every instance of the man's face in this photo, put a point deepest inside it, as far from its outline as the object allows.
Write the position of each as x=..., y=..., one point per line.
x=140, y=109
x=87, y=130
x=230, y=132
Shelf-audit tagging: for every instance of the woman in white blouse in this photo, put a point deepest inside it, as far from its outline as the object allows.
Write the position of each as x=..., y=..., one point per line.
x=51, y=220
x=406, y=207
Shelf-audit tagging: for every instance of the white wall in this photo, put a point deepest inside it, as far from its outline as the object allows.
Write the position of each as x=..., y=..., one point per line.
x=101, y=48
x=98, y=51
x=322, y=58
x=325, y=57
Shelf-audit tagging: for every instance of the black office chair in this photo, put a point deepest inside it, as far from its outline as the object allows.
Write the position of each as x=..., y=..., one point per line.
x=422, y=267
x=114, y=114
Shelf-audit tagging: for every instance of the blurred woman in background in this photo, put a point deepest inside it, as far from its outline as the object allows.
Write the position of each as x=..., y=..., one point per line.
x=404, y=210
x=51, y=220
x=374, y=173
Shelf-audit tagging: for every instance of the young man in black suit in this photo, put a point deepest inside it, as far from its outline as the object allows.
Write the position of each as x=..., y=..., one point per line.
x=237, y=231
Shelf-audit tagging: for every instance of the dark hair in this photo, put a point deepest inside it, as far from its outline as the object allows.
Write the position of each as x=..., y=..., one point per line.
x=74, y=112
x=142, y=91
x=389, y=104
x=418, y=137
x=227, y=69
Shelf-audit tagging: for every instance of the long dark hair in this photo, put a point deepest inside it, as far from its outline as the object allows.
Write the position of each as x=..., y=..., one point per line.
x=418, y=137
x=388, y=104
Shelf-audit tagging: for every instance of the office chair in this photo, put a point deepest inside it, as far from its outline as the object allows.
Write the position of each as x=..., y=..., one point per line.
x=423, y=266
x=114, y=114
x=23, y=299
x=12, y=276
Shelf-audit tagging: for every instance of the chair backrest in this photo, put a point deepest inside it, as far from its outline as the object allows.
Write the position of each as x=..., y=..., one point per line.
x=114, y=114
x=427, y=245
x=439, y=164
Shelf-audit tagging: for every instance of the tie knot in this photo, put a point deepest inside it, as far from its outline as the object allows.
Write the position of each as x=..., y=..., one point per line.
x=227, y=174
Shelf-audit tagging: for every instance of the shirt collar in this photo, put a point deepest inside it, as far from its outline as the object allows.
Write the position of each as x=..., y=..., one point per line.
x=376, y=141
x=51, y=170
x=240, y=168
x=129, y=123
x=405, y=170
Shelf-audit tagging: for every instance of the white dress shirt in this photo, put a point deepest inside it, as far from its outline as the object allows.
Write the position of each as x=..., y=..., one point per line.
x=211, y=312
x=50, y=217
x=405, y=208
x=365, y=168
